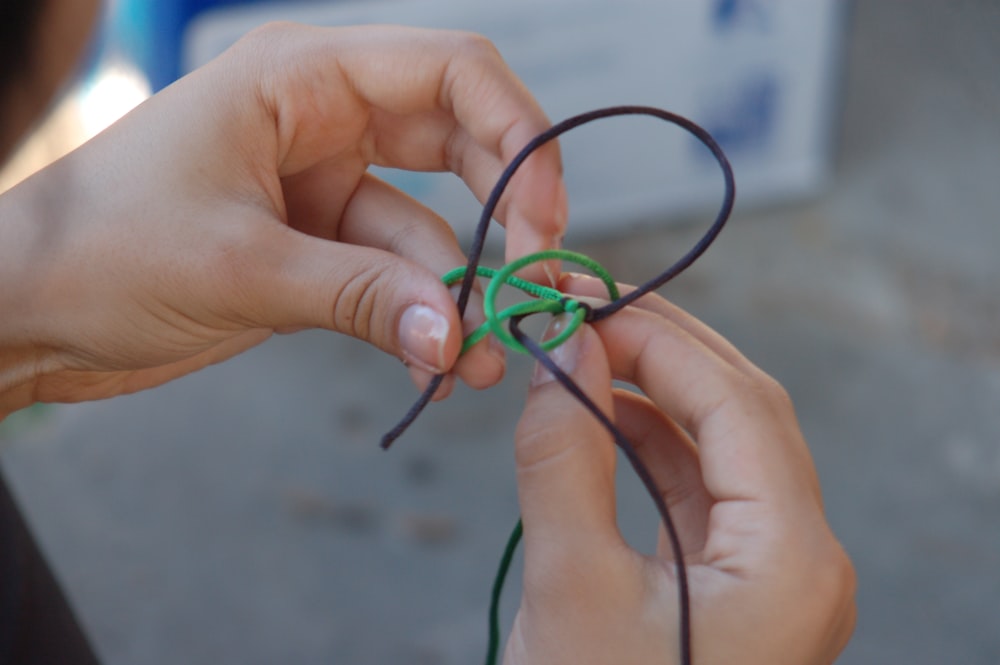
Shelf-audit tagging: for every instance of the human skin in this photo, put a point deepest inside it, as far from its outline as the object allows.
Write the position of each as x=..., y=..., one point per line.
x=237, y=203
x=769, y=582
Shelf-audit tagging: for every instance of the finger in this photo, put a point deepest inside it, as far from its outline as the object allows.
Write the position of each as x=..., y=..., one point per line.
x=286, y=279
x=749, y=443
x=587, y=285
x=427, y=100
x=565, y=459
x=672, y=460
x=534, y=220
x=422, y=378
x=494, y=118
x=380, y=216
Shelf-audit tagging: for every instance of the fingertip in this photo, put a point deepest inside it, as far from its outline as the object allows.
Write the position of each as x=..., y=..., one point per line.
x=426, y=338
x=565, y=356
x=429, y=332
x=483, y=365
x=581, y=357
x=524, y=238
x=445, y=389
x=422, y=378
x=577, y=283
x=588, y=286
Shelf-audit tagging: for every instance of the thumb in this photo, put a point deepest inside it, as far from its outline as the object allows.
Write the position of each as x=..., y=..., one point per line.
x=565, y=458
x=379, y=297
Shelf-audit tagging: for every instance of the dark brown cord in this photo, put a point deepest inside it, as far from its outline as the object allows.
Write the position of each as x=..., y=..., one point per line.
x=475, y=252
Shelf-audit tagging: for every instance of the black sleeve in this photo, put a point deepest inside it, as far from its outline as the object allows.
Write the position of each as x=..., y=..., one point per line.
x=37, y=625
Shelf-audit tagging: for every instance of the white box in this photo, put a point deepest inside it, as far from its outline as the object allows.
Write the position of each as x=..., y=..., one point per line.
x=760, y=75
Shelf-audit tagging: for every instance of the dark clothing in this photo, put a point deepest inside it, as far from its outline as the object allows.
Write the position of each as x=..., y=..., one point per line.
x=37, y=625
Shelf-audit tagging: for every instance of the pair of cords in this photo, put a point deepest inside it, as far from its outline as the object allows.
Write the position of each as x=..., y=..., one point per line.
x=553, y=301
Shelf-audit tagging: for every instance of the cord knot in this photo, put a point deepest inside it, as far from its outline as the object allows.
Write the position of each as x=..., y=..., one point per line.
x=572, y=305
x=547, y=299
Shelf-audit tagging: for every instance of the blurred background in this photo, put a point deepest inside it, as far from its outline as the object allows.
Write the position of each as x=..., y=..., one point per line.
x=246, y=513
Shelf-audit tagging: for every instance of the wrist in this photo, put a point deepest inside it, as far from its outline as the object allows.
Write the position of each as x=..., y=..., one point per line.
x=25, y=248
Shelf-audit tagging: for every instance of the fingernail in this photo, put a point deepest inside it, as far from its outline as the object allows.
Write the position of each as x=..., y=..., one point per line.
x=553, y=267
x=565, y=355
x=551, y=272
x=422, y=336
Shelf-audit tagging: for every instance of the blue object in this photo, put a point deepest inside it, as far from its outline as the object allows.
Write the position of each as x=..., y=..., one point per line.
x=150, y=34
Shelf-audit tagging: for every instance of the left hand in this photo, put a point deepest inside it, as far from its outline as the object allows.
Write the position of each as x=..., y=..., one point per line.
x=237, y=202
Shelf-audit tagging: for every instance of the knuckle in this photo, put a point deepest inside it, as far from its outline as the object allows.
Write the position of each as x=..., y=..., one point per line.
x=774, y=391
x=262, y=55
x=268, y=34
x=834, y=580
x=821, y=583
x=475, y=69
x=262, y=44
x=453, y=151
x=680, y=493
x=545, y=434
x=731, y=390
x=760, y=390
x=355, y=303
x=538, y=443
x=844, y=576
x=474, y=46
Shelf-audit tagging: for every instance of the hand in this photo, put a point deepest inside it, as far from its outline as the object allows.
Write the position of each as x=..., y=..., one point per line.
x=769, y=583
x=236, y=203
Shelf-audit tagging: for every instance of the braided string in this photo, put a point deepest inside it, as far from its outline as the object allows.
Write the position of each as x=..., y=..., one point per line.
x=518, y=339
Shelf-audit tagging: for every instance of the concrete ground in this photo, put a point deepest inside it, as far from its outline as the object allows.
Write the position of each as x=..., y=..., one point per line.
x=245, y=514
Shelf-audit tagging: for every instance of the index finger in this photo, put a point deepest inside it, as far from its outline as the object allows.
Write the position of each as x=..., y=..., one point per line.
x=431, y=101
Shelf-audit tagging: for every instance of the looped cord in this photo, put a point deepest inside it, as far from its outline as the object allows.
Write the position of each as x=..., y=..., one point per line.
x=495, y=320
x=549, y=300
x=479, y=237
x=515, y=337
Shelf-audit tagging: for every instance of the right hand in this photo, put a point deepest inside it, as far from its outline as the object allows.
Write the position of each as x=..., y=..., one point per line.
x=769, y=583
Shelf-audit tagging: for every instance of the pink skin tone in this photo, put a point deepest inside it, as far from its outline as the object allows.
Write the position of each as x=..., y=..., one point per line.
x=769, y=582
x=237, y=203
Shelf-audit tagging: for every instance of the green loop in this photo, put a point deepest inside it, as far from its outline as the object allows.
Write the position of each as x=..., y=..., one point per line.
x=549, y=299
x=521, y=308
x=579, y=313
x=455, y=275
x=489, y=302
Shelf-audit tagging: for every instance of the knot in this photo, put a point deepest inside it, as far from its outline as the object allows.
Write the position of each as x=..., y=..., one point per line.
x=571, y=305
x=547, y=299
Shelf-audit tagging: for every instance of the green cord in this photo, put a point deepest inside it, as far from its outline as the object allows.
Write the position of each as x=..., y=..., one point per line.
x=493, y=649
x=568, y=304
x=548, y=300
x=455, y=276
